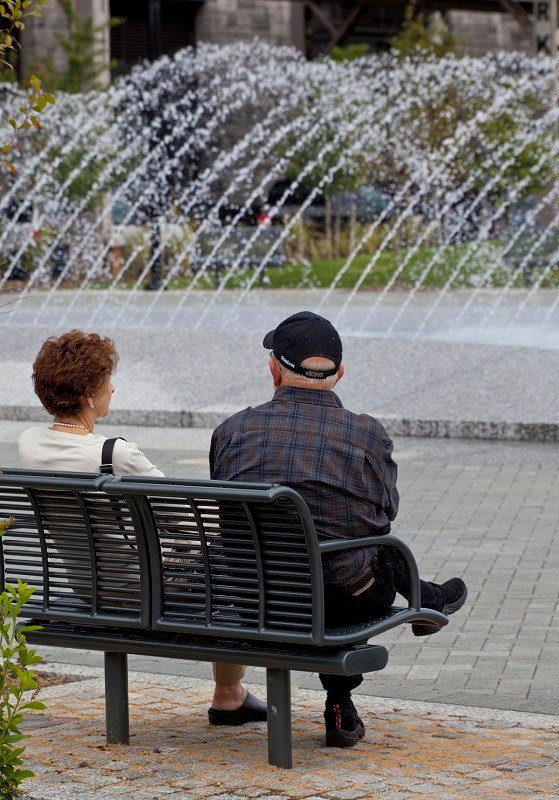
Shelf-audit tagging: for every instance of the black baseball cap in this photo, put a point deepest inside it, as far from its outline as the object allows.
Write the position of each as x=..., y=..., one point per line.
x=305, y=335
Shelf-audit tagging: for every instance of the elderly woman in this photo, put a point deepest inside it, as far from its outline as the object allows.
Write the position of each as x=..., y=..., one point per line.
x=72, y=378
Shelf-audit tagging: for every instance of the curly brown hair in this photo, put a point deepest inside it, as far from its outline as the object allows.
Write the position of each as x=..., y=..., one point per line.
x=69, y=368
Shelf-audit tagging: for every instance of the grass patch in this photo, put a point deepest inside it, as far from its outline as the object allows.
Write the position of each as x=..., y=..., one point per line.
x=460, y=265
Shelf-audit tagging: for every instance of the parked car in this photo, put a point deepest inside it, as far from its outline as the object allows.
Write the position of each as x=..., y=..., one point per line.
x=367, y=201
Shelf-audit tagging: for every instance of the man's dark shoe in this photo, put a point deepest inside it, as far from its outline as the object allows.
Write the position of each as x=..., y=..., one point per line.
x=252, y=710
x=451, y=596
x=344, y=728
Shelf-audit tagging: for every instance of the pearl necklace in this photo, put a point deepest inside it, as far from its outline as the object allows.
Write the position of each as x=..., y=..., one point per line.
x=71, y=425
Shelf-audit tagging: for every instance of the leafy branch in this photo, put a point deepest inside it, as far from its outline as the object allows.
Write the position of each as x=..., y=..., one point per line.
x=15, y=11
x=37, y=101
x=18, y=684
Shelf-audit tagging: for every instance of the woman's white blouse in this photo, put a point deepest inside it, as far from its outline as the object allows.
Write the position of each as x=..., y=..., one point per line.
x=43, y=448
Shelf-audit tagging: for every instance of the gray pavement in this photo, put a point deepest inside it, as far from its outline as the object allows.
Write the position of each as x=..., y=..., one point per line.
x=196, y=374
x=487, y=511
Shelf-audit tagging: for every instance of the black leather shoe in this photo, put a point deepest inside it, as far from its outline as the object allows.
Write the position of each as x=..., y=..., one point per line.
x=452, y=596
x=252, y=710
x=344, y=727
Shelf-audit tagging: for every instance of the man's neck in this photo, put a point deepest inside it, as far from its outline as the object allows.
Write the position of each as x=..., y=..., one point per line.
x=303, y=385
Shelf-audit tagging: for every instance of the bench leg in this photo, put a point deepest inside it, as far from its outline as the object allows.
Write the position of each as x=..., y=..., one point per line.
x=279, y=718
x=116, y=698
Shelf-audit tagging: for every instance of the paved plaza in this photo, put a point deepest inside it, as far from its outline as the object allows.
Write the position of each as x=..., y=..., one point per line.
x=411, y=751
x=470, y=712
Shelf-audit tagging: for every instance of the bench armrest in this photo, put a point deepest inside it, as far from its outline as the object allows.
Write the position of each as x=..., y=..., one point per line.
x=386, y=540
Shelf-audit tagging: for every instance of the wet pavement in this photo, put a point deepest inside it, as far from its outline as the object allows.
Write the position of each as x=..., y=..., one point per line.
x=194, y=374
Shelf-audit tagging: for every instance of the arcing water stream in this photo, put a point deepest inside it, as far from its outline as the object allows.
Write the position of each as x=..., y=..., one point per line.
x=463, y=150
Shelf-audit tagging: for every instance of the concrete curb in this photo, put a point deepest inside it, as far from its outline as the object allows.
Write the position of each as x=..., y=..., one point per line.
x=424, y=428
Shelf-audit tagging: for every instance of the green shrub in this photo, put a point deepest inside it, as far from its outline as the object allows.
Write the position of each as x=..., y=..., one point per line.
x=18, y=685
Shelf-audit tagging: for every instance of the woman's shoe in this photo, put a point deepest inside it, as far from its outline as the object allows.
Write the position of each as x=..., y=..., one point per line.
x=252, y=710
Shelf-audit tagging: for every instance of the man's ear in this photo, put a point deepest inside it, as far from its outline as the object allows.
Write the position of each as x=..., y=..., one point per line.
x=275, y=369
x=340, y=373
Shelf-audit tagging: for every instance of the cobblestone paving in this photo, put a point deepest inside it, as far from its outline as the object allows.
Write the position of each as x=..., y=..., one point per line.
x=411, y=750
x=496, y=525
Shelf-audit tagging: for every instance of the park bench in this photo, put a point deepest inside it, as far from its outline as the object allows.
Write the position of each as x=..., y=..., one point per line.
x=235, y=247
x=534, y=251
x=199, y=570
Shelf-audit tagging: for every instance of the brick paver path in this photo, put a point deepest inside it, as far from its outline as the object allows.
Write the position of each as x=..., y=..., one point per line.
x=411, y=750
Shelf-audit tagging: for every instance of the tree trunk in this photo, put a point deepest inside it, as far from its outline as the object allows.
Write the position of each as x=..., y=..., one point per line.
x=337, y=235
x=352, y=226
x=328, y=225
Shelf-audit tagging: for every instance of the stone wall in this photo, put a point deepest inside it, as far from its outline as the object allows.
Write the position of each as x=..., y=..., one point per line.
x=219, y=21
x=278, y=21
x=489, y=32
x=39, y=37
x=222, y=21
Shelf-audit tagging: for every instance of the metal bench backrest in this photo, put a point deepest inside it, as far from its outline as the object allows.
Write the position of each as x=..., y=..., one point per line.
x=82, y=550
x=230, y=558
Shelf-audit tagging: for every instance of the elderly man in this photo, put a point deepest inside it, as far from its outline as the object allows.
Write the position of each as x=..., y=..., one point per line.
x=341, y=463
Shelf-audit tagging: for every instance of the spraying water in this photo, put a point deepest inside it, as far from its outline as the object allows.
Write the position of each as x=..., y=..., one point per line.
x=191, y=149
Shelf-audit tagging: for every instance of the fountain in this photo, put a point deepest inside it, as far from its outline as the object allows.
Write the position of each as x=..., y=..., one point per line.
x=464, y=151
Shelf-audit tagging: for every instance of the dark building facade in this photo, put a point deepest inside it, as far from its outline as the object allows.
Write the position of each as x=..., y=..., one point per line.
x=149, y=27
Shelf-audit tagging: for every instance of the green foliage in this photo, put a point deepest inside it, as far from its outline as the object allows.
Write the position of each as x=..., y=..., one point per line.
x=497, y=152
x=464, y=264
x=321, y=273
x=350, y=52
x=423, y=35
x=530, y=161
x=326, y=160
x=81, y=181
x=426, y=38
x=325, y=157
x=85, y=51
x=13, y=12
x=26, y=117
x=18, y=685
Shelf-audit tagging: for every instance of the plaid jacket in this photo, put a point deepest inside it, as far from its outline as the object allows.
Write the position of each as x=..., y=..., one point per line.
x=340, y=462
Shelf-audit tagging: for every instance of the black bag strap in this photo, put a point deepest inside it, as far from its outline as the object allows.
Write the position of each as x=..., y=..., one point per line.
x=106, y=467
